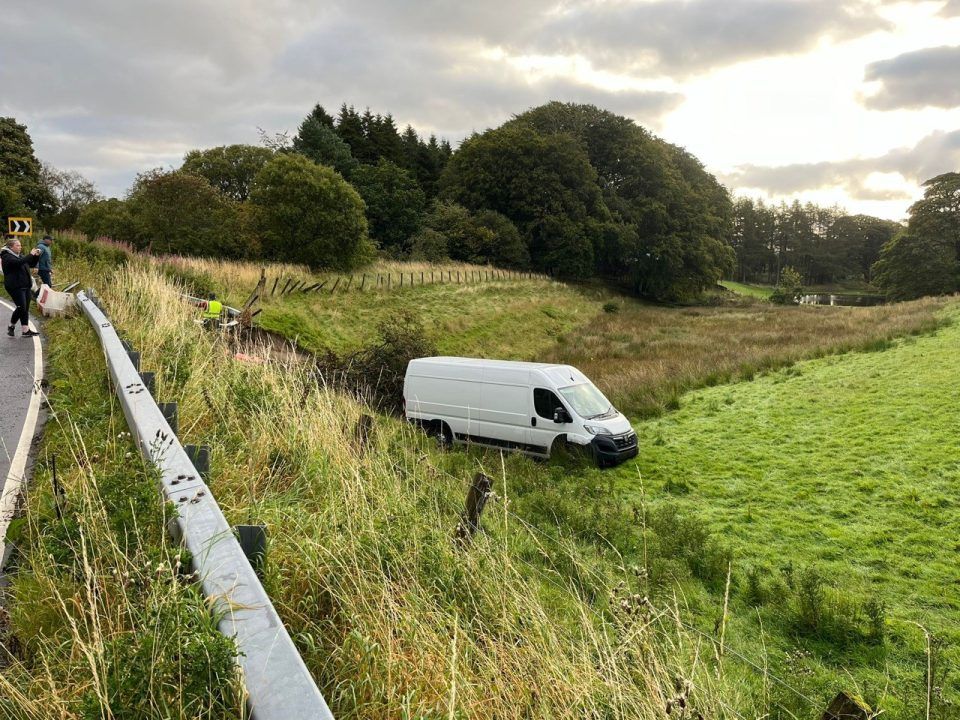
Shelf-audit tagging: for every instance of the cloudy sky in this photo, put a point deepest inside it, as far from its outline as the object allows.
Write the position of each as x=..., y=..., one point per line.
x=848, y=101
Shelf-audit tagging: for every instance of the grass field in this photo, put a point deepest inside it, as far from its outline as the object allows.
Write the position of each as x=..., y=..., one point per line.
x=841, y=464
x=849, y=464
x=760, y=292
x=516, y=319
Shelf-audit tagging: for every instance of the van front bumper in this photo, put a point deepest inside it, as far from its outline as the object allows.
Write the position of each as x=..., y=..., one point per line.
x=614, y=449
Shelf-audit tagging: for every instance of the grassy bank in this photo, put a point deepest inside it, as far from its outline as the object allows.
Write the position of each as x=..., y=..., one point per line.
x=392, y=616
x=102, y=620
x=759, y=292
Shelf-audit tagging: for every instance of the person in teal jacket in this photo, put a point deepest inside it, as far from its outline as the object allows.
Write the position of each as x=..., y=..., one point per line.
x=45, y=264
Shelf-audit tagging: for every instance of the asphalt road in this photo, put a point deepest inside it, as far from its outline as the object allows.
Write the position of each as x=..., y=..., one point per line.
x=21, y=369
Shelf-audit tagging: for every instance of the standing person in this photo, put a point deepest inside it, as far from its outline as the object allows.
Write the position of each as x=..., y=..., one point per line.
x=45, y=264
x=16, y=279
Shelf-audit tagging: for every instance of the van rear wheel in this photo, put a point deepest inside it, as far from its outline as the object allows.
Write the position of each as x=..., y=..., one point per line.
x=445, y=436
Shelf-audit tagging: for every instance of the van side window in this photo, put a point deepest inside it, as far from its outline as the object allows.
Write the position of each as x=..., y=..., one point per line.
x=545, y=402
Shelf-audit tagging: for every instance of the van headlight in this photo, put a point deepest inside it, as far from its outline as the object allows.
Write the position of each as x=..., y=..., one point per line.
x=597, y=430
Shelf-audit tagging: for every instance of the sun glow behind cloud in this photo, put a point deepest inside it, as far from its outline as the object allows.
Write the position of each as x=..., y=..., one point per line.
x=808, y=108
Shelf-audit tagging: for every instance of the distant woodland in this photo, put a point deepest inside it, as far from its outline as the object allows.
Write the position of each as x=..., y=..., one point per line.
x=568, y=189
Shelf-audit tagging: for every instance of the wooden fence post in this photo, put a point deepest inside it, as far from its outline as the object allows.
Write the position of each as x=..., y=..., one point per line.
x=363, y=280
x=476, y=500
x=334, y=288
x=275, y=281
x=349, y=283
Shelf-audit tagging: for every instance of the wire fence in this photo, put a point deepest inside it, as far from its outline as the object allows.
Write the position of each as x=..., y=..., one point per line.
x=371, y=282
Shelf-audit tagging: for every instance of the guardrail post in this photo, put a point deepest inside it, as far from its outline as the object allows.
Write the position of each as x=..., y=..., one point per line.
x=149, y=380
x=253, y=542
x=200, y=457
x=171, y=415
x=135, y=359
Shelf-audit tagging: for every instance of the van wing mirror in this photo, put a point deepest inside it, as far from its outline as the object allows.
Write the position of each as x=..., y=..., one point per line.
x=561, y=416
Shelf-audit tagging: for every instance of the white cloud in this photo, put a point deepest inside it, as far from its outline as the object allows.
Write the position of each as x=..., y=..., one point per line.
x=111, y=89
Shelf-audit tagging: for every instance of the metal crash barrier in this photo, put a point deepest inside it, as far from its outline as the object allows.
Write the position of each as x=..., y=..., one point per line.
x=277, y=681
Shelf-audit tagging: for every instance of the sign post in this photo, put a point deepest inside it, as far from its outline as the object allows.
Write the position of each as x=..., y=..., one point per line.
x=20, y=226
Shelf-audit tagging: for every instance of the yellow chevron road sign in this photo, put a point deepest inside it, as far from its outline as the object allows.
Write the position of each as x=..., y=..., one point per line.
x=20, y=226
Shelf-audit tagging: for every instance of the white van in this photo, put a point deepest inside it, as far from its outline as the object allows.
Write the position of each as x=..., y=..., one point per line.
x=532, y=407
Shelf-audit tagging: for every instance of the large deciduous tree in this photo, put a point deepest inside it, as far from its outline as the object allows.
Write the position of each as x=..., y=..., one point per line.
x=307, y=213
x=20, y=168
x=178, y=212
x=71, y=191
x=229, y=168
x=593, y=193
x=542, y=183
x=925, y=259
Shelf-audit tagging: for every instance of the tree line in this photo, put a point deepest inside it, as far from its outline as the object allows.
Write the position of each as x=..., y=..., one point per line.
x=824, y=245
x=568, y=189
x=813, y=245
x=564, y=188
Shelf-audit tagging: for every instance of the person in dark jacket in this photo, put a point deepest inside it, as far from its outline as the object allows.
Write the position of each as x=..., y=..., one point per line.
x=17, y=281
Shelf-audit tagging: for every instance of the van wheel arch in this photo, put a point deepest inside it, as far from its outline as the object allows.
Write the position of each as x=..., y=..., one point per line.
x=560, y=441
x=444, y=435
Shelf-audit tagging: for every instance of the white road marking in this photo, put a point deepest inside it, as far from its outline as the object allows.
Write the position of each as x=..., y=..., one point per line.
x=16, y=477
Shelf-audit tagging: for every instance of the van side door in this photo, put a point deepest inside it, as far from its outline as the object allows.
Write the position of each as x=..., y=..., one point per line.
x=544, y=407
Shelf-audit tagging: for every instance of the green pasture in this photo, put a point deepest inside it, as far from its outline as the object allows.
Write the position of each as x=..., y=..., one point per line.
x=849, y=465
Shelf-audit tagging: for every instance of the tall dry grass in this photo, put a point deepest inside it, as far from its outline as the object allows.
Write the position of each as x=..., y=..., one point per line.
x=393, y=618
x=101, y=621
x=645, y=356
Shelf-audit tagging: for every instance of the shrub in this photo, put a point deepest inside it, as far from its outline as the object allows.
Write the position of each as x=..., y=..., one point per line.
x=429, y=245
x=611, y=307
x=789, y=289
x=685, y=537
x=376, y=373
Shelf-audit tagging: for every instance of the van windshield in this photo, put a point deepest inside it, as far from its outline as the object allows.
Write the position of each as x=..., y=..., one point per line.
x=587, y=401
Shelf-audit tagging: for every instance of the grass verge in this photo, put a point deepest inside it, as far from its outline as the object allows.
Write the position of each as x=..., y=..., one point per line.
x=103, y=620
